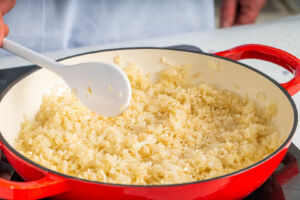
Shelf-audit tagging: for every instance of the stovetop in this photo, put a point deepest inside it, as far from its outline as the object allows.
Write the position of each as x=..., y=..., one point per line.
x=284, y=184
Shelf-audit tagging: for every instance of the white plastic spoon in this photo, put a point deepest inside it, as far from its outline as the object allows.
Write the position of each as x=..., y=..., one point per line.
x=100, y=86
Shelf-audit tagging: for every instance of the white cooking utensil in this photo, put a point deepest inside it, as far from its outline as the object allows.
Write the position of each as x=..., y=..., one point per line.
x=100, y=86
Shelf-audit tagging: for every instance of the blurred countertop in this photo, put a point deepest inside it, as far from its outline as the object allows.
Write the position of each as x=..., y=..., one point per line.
x=283, y=34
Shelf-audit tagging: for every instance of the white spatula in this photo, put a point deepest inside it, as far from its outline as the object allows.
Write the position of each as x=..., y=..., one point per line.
x=100, y=86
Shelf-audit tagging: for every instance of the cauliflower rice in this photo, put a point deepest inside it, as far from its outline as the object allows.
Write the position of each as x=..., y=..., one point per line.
x=174, y=131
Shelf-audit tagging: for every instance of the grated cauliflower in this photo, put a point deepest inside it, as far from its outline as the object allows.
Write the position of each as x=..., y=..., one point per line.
x=174, y=131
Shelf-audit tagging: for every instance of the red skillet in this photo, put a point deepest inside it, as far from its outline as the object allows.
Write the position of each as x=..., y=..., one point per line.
x=24, y=97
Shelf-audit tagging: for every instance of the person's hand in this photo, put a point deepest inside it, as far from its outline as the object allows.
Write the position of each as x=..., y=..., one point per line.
x=237, y=12
x=5, y=6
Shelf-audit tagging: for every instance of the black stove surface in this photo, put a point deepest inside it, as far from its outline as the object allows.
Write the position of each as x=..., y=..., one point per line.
x=284, y=184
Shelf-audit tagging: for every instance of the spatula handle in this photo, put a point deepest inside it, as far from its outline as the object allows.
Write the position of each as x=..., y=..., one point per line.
x=30, y=55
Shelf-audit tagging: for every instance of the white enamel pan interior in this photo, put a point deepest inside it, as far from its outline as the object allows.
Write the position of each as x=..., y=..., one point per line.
x=25, y=96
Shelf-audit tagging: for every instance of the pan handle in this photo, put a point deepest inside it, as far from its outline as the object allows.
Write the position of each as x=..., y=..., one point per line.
x=271, y=54
x=46, y=186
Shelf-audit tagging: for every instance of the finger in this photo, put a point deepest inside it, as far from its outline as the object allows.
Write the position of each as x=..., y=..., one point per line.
x=248, y=13
x=6, y=30
x=1, y=29
x=6, y=5
x=246, y=16
x=228, y=13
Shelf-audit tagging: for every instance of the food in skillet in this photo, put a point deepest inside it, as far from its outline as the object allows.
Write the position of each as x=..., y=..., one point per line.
x=176, y=130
